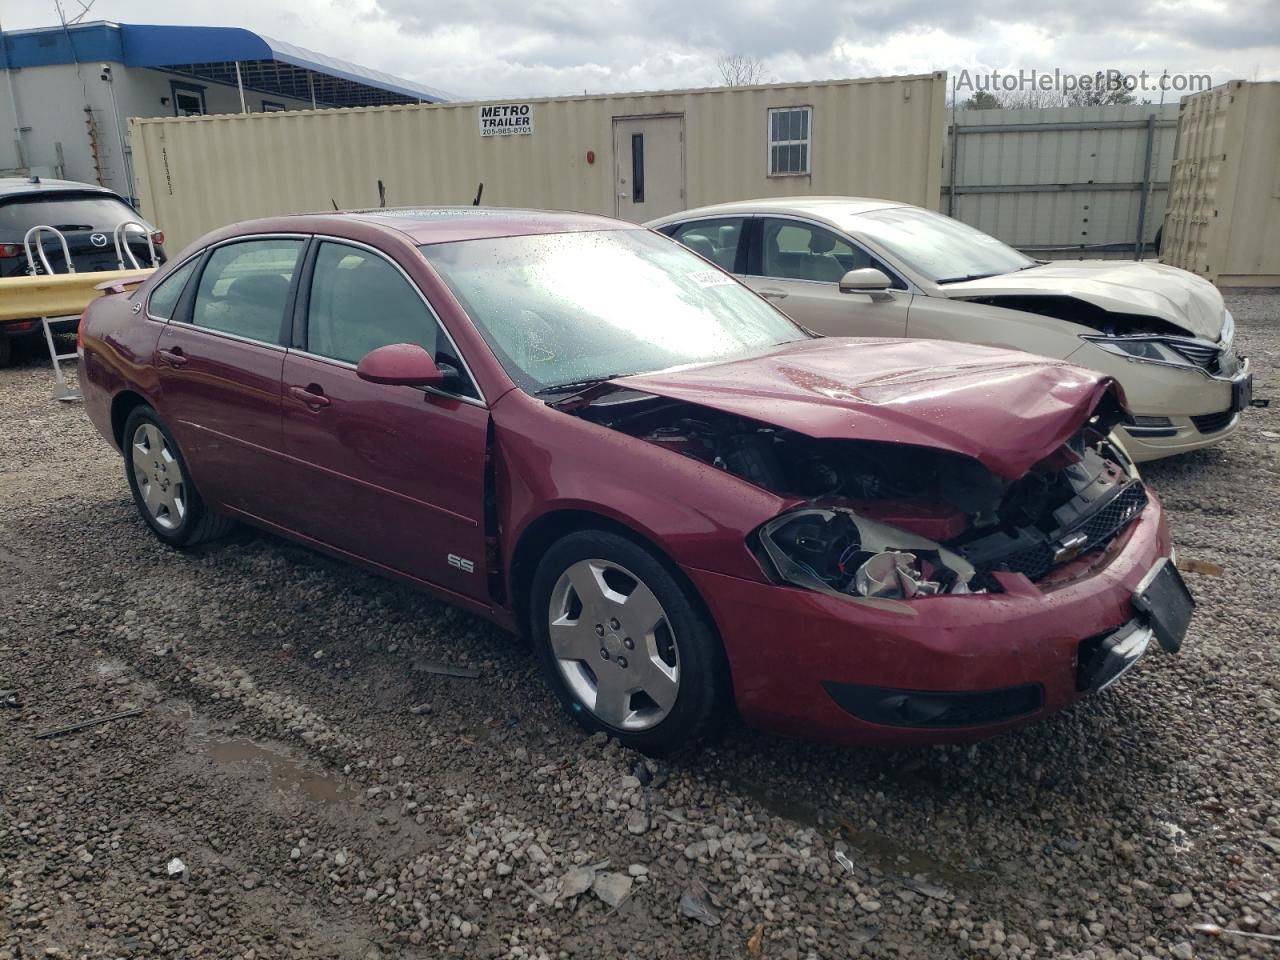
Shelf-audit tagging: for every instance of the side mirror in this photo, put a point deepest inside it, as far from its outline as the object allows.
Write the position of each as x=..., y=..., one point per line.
x=865, y=280
x=401, y=364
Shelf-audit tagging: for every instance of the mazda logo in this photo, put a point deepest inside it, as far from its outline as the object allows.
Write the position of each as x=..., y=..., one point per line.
x=98, y=239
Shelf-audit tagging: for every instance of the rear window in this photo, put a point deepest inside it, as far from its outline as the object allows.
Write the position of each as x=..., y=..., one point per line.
x=84, y=212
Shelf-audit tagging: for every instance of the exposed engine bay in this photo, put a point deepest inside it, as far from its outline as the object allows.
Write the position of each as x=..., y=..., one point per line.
x=1075, y=310
x=898, y=521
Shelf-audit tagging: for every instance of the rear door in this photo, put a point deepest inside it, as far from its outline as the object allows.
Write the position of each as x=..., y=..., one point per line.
x=219, y=361
x=798, y=265
x=390, y=474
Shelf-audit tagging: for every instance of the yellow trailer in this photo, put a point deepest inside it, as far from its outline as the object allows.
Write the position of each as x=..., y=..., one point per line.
x=59, y=294
x=51, y=299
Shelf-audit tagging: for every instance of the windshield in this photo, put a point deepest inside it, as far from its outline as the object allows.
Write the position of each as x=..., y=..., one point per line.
x=84, y=212
x=942, y=249
x=564, y=309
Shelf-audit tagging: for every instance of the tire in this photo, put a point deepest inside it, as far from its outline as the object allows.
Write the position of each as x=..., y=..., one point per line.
x=662, y=689
x=161, y=484
x=6, y=350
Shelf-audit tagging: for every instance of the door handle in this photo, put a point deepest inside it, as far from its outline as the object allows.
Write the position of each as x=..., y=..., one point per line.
x=174, y=357
x=773, y=294
x=311, y=395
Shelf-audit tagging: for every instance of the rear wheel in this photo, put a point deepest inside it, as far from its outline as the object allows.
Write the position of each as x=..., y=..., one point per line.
x=6, y=350
x=624, y=645
x=161, y=484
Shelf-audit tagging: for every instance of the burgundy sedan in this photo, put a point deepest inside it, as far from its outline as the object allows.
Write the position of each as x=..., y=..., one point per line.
x=585, y=432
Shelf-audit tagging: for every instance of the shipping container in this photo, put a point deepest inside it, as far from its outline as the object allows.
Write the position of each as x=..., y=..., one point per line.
x=1079, y=182
x=635, y=156
x=1223, y=219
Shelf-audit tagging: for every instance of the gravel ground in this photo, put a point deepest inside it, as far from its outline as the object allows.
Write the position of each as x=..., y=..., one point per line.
x=330, y=794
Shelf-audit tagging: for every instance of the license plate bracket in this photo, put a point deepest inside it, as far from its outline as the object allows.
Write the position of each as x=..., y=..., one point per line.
x=1242, y=393
x=1165, y=603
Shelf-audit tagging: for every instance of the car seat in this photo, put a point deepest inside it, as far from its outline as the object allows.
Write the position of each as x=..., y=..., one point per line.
x=700, y=245
x=255, y=305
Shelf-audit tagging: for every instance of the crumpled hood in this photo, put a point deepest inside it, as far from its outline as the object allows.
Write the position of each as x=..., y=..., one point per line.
x=1006, y=409
x=1120, y=286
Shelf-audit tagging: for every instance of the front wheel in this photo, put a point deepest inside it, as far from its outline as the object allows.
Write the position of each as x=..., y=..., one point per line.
x=624, y=645
x=161, y=484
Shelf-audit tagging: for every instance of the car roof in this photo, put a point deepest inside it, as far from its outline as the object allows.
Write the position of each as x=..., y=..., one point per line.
x=424, y=225
x=27, y=186
x=829, y=208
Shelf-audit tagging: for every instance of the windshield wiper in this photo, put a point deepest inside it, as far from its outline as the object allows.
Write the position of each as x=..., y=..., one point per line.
x=970, y=276
x=577, y=386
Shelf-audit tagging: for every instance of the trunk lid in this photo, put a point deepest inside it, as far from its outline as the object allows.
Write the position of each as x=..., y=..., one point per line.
x=1006, y=409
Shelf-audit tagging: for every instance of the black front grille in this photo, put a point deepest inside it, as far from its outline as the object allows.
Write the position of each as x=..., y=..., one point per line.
x=1214, y=422
x=1033, y=563
x=931, y=709
x=1099, y=529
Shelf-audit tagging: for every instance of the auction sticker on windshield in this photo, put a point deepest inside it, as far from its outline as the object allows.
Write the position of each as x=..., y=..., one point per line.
x=710, y=278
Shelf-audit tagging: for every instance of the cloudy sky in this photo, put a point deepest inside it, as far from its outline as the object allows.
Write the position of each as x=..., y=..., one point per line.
x=547, y=47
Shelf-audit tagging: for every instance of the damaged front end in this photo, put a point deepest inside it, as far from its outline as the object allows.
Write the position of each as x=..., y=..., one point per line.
x=884, y=522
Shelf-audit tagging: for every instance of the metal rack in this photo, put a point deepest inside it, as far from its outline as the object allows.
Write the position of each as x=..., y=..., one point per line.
x=61, y=389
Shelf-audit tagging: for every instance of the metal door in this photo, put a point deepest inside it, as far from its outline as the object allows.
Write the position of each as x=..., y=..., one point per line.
x=648, y=155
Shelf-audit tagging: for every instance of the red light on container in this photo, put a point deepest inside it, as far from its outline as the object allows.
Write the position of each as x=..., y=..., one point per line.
x=591, y=156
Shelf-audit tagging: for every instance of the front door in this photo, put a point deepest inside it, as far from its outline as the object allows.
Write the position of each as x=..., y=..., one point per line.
x=219, y=360
x=391, y=474
x=648, y=155
x=797, y=266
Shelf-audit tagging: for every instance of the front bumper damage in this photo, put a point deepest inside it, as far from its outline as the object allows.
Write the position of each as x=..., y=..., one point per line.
x=1175, y=410
x=946, y=668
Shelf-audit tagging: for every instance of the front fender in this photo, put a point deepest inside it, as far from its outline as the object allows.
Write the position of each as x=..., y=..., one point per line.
x=548, y=461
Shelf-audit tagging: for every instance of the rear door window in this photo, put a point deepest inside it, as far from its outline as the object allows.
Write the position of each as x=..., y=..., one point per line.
x=245, y=286
x=165, y=296
x=717, y=240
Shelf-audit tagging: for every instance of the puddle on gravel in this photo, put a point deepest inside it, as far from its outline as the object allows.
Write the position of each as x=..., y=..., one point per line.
x=286, y=775
x=878, y=850
x=280, y=773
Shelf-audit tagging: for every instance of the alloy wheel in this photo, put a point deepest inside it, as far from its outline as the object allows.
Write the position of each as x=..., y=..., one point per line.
x=614, y=644
x=159, y=477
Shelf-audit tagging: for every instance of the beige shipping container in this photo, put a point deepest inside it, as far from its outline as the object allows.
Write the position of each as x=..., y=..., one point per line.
x=635, y=156
x=1223, y=215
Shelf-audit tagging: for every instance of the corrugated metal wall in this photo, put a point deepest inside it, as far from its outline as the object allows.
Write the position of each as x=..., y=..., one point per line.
x=1063, y=181
x=877, y=137
x=1223, y=220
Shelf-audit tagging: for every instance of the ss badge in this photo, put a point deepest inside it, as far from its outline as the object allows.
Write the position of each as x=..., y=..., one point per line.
x=466, y=566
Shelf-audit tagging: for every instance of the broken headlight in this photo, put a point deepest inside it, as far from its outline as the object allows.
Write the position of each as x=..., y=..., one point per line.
x=1151, y=349
x=836, y=551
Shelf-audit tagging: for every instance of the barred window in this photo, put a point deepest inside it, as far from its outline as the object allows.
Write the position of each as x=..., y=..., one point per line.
x=789, y=134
